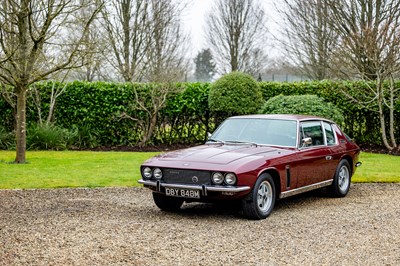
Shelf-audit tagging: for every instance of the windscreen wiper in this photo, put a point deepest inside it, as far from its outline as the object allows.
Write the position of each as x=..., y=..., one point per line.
x=216, y=141
x=241, y=142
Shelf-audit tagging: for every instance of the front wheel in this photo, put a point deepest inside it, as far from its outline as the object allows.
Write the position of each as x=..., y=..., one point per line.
x=341, y=182
x=166, y=203
x=261, y=200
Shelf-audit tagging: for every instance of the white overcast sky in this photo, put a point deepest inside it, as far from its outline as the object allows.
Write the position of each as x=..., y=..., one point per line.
x=194, y=21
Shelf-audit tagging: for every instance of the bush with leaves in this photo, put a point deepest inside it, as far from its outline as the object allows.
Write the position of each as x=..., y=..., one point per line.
x=7, y=139
x=302, y=104
x=235, y=93
x=86, y=137
x=49, y=137
x=187, y=115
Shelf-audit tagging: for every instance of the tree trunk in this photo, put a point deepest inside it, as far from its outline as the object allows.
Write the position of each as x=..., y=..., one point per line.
x=379, y=91
x=20, y=132
x=150, y=129
x=391, y=117
x=383, y=126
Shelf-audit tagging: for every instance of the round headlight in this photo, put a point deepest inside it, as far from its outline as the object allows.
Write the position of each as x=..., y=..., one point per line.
x=147, y=172
x=230, y=179
x=157, y=173
x=217, y=178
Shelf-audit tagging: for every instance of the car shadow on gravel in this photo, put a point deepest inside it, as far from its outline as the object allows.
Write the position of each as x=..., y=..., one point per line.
x=207, y=210
x=232, y=209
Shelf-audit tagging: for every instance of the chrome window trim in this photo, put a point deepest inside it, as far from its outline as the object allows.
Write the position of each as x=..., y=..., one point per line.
x=323, y=134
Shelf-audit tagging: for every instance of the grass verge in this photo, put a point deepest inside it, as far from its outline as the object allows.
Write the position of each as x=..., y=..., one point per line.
x=382, y=168
x=55, y=169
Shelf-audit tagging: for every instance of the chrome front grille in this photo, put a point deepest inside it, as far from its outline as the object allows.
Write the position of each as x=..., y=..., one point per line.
x=184, y=176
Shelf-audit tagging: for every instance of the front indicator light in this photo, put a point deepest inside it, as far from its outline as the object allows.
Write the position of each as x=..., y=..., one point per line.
x=230, y=179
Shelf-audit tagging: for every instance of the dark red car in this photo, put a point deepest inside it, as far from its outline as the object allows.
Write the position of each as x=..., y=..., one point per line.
x=256, y=159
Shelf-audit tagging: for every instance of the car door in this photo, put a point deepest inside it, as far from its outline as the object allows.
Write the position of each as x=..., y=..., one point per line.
x=314, y=158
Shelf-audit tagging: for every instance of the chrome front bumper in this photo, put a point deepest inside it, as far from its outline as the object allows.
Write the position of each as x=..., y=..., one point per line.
x=203, y=188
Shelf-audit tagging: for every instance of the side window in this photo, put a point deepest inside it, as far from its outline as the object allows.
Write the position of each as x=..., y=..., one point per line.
x=330, y=134
x=314, y=131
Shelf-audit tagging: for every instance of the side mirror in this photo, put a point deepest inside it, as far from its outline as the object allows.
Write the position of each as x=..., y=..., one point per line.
x=307, y=141
x=209, y=135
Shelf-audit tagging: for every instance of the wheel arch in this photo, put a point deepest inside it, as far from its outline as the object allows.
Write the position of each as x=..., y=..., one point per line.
x=276, y=177
x=350, y=160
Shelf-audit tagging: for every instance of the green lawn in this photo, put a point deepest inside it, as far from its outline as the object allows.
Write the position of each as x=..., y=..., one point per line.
x=53, y=169
x=378, y=168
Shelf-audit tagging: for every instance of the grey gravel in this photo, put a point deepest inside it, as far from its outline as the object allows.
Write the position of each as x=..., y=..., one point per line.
x=122, y=226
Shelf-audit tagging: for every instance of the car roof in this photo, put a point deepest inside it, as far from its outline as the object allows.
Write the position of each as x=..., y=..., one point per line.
x=283, y=117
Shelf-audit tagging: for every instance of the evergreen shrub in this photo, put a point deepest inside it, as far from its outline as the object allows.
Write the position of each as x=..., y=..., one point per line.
x=302, y=105
x=235, y=93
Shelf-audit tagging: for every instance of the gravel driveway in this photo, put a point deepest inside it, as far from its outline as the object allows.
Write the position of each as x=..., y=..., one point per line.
x=122, y=226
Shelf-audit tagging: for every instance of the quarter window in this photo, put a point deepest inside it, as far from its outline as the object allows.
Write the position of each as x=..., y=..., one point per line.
x=330, y=135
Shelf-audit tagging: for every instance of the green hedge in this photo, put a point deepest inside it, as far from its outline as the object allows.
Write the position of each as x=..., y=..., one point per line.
x=95, y=108
x=360, y=123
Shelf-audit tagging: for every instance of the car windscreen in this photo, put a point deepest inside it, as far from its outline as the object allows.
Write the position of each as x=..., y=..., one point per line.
x=273, y=132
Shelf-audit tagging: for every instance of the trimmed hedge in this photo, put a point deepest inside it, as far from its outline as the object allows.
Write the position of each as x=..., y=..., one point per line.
x=235, y=93
x=93, y=109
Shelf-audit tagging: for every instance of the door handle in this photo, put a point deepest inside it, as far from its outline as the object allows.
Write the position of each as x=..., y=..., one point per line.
x=328, y=158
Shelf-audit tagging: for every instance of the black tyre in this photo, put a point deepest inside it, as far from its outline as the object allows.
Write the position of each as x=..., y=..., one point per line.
x=166, y=203
x=341, y=182
x=261, y=200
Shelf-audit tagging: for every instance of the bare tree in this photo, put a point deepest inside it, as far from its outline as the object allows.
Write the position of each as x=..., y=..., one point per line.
x=145, y=39
x=369, y=35
x=236, y=34
x=31, y=35
x=150, y=104
x=56, y=91
x=165, y=56
x=148, y=45
x=127, y=29
x=94, y=63
x=307, y=36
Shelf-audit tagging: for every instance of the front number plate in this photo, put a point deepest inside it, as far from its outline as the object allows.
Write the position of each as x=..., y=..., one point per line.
x=185, y=193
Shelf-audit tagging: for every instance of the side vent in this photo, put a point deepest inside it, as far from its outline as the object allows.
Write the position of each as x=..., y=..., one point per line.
x=287, y=176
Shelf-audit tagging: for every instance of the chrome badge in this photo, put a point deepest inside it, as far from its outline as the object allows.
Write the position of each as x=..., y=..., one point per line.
x=195, y=179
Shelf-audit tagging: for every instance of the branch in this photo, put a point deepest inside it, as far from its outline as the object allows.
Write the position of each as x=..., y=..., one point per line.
x=9, y=96
x=67, y=63
x=124, y=115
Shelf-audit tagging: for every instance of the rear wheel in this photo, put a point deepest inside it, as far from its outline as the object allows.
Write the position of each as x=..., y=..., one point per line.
x=261, y=200
x=341, y=182
x=166, y=203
